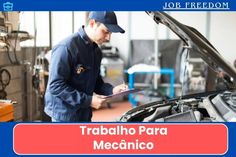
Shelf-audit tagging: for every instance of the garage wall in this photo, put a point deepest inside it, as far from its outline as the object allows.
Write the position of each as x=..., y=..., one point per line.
x=37, y=25
x=139, y=25
x=121, y=41
x=220, y=31
x=60, y=29
x=195, y=19
x=223, y=34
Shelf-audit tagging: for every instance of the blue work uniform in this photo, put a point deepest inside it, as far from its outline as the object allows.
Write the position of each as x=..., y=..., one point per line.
x=74, y=75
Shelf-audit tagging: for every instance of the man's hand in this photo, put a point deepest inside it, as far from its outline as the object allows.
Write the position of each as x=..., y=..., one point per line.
x=120, y=88
x=97, y=101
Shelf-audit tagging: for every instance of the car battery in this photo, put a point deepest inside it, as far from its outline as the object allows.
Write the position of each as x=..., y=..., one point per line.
x=6, y=112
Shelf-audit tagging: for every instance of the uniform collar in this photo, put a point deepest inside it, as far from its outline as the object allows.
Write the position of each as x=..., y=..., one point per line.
x=84, y=36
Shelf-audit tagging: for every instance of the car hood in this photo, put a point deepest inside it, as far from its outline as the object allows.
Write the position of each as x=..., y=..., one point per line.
x=197, y=42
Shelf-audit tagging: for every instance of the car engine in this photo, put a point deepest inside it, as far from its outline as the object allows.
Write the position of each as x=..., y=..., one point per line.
x=220, y=107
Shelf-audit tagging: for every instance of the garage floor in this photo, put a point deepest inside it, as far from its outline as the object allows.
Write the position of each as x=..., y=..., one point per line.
x=106, y=114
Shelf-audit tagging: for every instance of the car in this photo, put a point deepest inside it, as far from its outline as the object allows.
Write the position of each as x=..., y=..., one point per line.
x=210, y=106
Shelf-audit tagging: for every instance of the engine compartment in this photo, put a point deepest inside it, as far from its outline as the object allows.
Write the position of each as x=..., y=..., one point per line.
x=219, y=107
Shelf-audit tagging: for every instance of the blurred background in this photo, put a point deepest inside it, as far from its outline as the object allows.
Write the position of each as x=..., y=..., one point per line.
x=26, y=39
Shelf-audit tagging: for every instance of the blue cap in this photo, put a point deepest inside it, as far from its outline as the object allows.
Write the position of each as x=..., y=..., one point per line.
x=108, y=19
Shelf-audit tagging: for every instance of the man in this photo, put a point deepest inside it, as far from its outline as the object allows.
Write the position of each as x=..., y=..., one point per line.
x=74, y=73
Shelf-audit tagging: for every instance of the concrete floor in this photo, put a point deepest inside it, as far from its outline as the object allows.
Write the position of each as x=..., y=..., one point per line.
x=106, y=114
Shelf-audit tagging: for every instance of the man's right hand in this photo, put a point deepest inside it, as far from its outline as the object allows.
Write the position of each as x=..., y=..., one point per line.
x=97, y=101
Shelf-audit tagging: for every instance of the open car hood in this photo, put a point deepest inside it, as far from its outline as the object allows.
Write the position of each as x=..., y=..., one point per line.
x=197, y=42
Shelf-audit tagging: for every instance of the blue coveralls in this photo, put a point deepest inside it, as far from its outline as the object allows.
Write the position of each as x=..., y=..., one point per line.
x=74, y=75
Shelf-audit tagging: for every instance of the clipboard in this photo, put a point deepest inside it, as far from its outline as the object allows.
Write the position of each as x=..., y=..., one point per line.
x=123, y=93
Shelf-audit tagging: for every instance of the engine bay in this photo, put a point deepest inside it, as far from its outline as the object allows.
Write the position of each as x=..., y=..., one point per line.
x=219, y=107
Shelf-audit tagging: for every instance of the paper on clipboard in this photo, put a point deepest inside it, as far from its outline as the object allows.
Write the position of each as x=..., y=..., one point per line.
x=129, y=91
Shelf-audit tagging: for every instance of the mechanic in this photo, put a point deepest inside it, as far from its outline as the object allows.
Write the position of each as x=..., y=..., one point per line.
x=74, y=74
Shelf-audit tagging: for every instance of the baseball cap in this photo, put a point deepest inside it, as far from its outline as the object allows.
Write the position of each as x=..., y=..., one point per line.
x=108, y=19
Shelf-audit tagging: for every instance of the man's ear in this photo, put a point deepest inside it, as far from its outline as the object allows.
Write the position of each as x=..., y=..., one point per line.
x=91, y=23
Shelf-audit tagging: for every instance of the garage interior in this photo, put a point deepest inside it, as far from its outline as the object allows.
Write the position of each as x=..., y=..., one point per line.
x=27, y=38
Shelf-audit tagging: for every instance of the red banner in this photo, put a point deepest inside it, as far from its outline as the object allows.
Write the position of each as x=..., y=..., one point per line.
x=120, y=138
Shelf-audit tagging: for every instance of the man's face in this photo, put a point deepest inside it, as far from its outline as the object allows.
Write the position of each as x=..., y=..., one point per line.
x=101, y=33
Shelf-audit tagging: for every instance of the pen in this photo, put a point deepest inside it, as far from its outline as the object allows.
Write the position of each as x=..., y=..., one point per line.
x=125, y=85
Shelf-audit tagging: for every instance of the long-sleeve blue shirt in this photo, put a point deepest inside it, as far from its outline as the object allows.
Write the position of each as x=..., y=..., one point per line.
x=74, y=75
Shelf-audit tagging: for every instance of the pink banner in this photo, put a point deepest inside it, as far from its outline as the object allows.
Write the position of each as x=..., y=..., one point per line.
x=120, y=138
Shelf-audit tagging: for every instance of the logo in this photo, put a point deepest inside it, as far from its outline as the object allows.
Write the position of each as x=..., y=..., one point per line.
x=7, y=6
x=80, y=69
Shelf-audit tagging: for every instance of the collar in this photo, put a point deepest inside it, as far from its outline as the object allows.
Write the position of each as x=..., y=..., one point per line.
x=84, y=36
